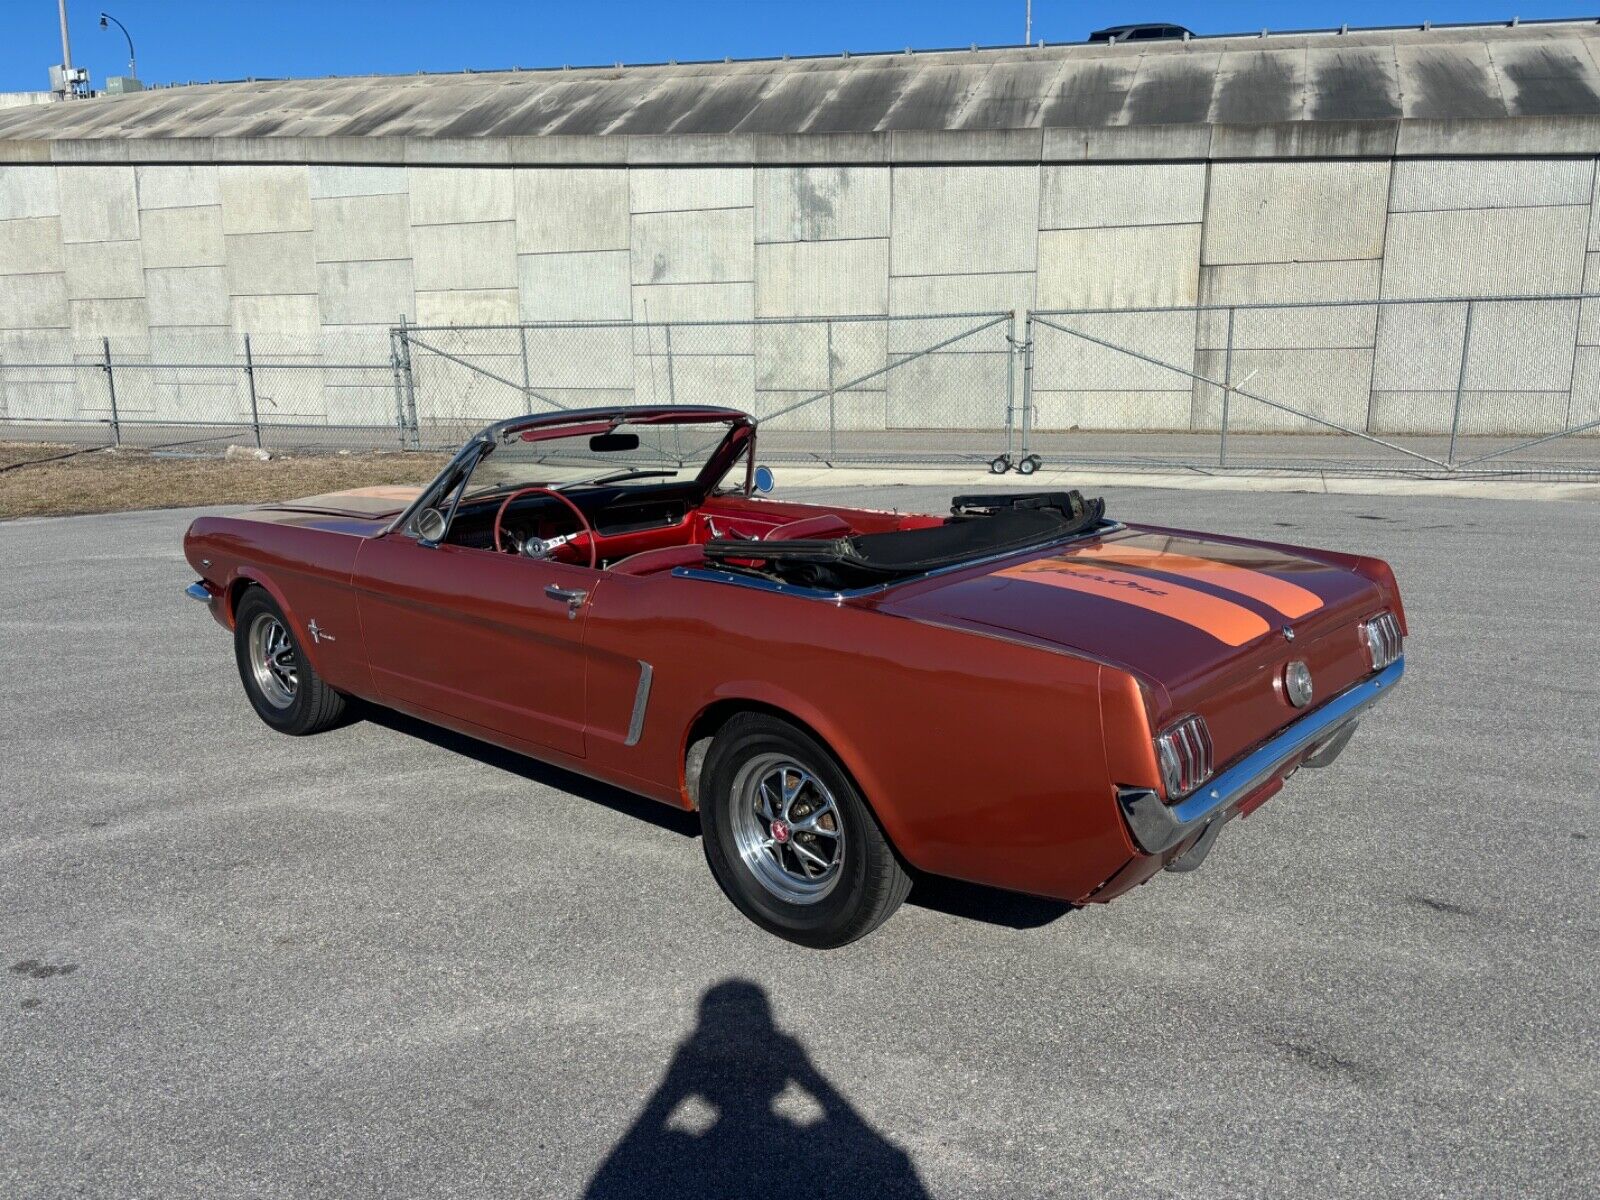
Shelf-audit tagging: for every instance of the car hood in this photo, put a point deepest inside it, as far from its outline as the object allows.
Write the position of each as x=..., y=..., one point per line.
x=371, y=503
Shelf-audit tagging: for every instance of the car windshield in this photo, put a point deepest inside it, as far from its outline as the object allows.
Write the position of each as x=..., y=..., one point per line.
x=644, y=452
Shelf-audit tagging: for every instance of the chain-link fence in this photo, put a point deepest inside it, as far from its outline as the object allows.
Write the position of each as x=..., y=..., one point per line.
x=825, y=389
x=1497, y=385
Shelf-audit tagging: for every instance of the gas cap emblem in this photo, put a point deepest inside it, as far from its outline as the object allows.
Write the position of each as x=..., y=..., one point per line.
x=1297, y=683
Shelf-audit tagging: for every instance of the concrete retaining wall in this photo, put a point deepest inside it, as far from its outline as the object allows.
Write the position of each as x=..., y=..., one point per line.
x=316, y=262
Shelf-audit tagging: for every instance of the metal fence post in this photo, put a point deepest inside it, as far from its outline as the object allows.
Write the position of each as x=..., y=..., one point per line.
x=833, y=424
x=111, y=391
x=399, y=386
x=527, y=380
x=1011, y=377
x=1461, y=383
x=1227, y=392
x=250, y=379
x=1024, y=449
x=408, y=418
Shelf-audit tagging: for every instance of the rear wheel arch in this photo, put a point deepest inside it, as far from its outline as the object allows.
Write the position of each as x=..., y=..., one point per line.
x=715, y=715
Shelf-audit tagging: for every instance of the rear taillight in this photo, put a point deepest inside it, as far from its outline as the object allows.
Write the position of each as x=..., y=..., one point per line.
x=1184, y=754
x=1381, y=635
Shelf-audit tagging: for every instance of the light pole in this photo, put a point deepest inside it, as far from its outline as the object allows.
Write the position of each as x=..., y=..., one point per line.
x=106, y=21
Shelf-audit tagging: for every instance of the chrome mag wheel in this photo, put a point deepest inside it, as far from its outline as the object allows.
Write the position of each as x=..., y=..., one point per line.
x=787, y=828
x=273, y=661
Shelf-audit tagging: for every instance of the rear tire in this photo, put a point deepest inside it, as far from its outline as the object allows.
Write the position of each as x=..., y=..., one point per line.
x=284, y=688
x=790, y=840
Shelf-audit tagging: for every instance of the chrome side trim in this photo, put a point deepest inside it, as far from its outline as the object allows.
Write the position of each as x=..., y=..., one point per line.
x=198, y=591
x=762, y=583
x=641, y=701
x=1158, y=826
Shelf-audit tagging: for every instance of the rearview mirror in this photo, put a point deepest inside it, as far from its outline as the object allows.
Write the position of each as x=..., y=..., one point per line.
x=613, y=443
x=763, y=481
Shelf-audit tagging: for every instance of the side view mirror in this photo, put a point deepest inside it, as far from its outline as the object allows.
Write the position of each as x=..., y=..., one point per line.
x=763, y=481
x=429, y=525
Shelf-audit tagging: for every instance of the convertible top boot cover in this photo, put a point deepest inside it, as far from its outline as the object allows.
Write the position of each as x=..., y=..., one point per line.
x=1008, y=526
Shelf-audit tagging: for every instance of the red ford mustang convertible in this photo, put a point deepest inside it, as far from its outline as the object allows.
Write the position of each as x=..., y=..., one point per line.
x=1024, y=693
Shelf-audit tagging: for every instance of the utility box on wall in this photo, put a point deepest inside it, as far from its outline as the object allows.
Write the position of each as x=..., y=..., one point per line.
x=121, y=85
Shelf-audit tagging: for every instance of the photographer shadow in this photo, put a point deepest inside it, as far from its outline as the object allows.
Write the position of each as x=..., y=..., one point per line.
x=742, y=1111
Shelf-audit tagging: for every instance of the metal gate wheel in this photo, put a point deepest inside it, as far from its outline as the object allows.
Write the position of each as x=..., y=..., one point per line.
x=1000, y=464
x=1029, y=465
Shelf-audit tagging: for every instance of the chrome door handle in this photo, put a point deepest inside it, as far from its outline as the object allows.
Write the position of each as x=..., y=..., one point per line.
x=573, y=598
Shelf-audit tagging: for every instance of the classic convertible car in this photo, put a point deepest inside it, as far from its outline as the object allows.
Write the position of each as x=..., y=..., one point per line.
x=1025, y=693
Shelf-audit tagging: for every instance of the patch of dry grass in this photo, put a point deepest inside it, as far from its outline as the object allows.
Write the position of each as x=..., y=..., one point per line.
x=100, y=481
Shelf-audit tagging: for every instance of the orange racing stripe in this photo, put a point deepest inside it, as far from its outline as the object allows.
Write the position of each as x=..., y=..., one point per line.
x=1227, y=622
x=1290, y=599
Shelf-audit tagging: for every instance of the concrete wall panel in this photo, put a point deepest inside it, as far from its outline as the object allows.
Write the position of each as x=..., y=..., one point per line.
x=27, y=191
x=190, y=185
x=271, y=264
x=693, y=247
x=1064, y=362
x=352, y=293
x=1111, y=410
x=459, y=195
x=1093, y=195
x=1295, y=211
x=672, y=189
x=813, y=204
x=33, y=301
x=187, y=296
x=265, y=199
x=1522, y=347
x=183, y=237
x=98, y=204
x=564, y=210
x=1330, y=384
x=31, y=246
x=1088, y=268
x=326, y=182
x=484, y=306
x=1419, y=347
x=125, y=321
x=361, y=228
x=794, y=358
x=964, y=220
x=1435, y=184
x=465, y=256
x=1486, y=252
x=582, y=286
x=694, y=302
x=278, y=324
x=103, y=270
x=948, y=391
x=916, y=295
x=834, y=278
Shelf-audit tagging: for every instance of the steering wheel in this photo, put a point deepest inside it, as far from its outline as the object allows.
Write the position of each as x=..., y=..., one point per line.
x=552, y=543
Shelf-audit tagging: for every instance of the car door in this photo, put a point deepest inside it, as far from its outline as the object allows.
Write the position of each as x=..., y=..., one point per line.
x=493, y=639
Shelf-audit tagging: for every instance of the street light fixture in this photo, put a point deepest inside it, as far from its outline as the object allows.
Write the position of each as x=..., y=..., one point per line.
x=106, y=21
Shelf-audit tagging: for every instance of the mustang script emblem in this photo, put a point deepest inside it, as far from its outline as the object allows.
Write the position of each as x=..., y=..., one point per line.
x=319, y=635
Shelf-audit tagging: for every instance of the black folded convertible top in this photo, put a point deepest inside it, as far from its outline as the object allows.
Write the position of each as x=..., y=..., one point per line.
x=981, y=527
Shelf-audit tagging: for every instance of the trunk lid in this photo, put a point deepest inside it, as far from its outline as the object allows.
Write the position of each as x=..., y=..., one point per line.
x=1207, y=623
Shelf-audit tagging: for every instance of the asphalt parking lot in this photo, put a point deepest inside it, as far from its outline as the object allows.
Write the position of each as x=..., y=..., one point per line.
x=386, y=961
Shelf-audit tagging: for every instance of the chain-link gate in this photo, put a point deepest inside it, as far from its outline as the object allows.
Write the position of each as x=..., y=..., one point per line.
x=825, y=389
x=1494, y=385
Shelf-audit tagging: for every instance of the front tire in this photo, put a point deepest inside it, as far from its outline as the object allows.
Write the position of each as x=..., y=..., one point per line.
x=790, y=840
x=284, y=688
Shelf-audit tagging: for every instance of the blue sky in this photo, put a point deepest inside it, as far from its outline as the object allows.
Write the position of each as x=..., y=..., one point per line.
x=180, y=40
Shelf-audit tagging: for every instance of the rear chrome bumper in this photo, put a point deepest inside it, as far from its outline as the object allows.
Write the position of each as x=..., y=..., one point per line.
x=199, y=591
x=1315, y=740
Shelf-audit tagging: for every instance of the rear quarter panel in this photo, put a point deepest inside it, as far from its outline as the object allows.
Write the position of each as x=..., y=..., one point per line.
x=982, y=758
